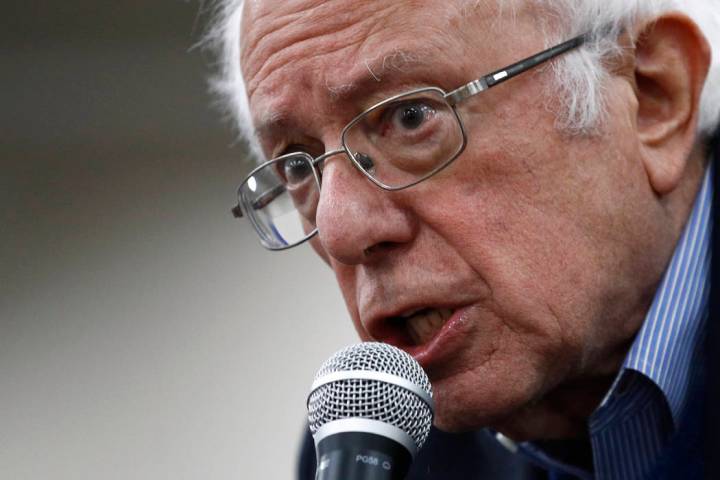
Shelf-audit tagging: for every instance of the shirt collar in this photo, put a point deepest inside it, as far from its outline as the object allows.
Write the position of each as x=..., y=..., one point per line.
x=662, y=350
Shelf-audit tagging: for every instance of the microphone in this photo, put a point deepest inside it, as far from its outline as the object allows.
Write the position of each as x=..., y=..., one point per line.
x=370, y=410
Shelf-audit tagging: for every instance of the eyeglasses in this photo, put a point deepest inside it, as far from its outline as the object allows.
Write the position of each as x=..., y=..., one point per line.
x=396, y=143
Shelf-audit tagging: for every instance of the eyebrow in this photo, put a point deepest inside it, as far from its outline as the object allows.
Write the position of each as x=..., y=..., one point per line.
x=385, y=70
x=269, y=122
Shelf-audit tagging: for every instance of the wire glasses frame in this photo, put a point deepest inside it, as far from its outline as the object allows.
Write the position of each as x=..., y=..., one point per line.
x=251, y=204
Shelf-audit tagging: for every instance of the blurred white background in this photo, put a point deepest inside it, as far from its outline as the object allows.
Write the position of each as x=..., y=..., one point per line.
x=144, y=334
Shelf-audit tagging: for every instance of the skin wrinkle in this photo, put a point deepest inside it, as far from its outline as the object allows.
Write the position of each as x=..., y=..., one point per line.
x=494, y=349
x=549, y=307
x=488, y=365
x=337, y=91
x=507, y=326
x=347, y=92
x=490, y=297
x=279, y=23
x=255, y=83
x=368, y=61
x=407, y=59
x=558, y=324
x=483, y=365
x=252, y=45
x=298, y=44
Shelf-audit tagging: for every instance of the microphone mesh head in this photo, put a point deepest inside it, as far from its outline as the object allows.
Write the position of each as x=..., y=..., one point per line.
x=372, y=399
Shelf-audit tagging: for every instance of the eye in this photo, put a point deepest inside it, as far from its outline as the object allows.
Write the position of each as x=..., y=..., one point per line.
x=411, y=116
x=296, y=169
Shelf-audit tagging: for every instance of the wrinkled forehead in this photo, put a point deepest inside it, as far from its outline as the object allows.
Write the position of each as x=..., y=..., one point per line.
x=278, y=32
x=338, y=49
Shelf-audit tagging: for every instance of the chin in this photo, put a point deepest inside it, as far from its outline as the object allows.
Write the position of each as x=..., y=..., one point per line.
x=516, y=413
x=458, y=411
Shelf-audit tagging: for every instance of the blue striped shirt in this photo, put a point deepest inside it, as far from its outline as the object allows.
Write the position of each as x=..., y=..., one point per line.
x=649, y=397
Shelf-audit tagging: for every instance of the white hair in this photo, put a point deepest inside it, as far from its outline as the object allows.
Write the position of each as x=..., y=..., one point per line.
x=580, y=76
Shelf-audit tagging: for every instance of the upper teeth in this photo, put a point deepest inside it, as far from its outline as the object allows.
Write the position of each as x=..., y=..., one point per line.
x=423, y=324
x=410, y=313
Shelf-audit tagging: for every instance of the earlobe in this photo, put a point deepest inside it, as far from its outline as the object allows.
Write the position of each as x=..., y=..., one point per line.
x=672, y=58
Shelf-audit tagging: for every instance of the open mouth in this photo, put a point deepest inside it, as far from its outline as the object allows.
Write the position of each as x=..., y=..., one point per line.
x=422, y=325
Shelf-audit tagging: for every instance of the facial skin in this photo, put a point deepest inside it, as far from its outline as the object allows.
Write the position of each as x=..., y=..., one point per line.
x=548, y=247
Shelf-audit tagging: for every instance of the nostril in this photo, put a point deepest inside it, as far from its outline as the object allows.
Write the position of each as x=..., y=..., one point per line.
x=379, y=247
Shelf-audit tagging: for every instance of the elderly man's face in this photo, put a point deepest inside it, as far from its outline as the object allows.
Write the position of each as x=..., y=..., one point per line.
x=518, y=275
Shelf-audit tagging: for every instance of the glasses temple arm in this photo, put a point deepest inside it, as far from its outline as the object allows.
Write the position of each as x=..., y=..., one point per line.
x=262, y=201
x=505, y=74
x=533, y=61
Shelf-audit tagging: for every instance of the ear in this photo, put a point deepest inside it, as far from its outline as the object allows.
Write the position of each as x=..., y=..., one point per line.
x=671, y=64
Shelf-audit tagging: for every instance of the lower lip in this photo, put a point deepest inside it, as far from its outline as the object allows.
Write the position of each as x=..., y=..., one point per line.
x=446, y=342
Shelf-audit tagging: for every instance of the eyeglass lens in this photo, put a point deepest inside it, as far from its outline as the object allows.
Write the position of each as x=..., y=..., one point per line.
x=404, y=140
x=281, y=199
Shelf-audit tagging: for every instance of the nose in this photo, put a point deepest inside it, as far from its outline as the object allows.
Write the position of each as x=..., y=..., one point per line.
x=357, y=221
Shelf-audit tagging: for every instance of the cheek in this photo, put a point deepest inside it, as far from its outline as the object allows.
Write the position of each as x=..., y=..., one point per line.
x=345, y=277
x=534, y=263
x=521, y=221
x=346, y=280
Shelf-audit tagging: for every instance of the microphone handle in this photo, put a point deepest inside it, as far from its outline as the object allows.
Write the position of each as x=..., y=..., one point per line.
x=361, y=456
